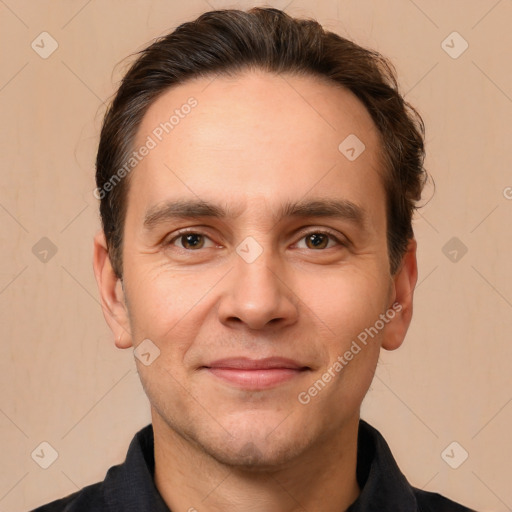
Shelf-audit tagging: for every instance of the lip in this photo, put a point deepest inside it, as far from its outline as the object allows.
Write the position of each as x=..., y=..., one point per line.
x=255, y=374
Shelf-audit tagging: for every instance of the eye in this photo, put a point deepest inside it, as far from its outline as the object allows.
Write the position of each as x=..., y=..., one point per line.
x=317, y=240
x=190, y=240
x=314, y=240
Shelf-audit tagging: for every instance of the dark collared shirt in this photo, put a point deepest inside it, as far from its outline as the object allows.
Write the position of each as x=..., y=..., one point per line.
x=129, y=487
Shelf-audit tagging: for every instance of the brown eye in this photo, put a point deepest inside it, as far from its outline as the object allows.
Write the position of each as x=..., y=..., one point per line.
x=317, y=240
x=189, y=241
x=192, y=241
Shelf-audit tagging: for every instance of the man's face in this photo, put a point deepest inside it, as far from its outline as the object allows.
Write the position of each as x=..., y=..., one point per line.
x=224, y=300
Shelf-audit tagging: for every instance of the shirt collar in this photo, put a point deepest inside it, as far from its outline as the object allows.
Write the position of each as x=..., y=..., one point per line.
x=382, y=484
x=131, y=486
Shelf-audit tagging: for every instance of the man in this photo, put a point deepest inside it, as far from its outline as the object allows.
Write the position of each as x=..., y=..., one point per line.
x=257, y=178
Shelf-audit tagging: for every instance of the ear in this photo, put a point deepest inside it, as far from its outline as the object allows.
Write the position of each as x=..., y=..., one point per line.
x=112, y=297
x=403, y=283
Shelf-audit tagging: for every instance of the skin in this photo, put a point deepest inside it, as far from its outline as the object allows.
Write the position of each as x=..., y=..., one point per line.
x=253, y=143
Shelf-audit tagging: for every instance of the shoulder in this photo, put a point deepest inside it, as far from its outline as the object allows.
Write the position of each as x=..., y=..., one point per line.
x=433, y=502
x=382, y=481
x=88, y=498
x=129, y=484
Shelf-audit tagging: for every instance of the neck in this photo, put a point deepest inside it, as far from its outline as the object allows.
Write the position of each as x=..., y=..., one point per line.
x=189, y=479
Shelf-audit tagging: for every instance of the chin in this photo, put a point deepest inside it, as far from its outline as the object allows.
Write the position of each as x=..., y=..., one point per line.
x=256, y=447
x=254, y=456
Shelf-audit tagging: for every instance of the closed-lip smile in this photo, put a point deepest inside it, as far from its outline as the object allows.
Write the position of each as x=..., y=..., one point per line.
x=255, y=374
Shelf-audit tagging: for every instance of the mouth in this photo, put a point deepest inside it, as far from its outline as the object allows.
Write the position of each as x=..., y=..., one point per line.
x=256, y=374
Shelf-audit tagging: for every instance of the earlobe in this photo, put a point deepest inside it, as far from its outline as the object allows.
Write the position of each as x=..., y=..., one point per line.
x=404, y=282
x=112, y=298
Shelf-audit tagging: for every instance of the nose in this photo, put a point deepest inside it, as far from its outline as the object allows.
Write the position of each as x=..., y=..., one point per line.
x=258, y=295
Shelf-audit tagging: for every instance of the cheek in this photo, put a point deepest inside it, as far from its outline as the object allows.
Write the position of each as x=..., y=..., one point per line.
x=347, y=300
x=160, y=300
x=153, y=308
x=347, y=305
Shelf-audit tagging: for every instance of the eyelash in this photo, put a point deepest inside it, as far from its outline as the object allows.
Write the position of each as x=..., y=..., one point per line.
x=328, y=233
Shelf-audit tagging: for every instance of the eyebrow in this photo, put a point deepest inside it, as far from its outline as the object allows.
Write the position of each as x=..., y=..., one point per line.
x=197, y=209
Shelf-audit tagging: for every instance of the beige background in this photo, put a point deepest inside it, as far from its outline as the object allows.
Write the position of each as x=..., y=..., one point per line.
x=63, y=380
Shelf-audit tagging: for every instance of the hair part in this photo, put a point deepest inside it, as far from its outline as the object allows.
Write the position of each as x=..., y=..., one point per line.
x=228, y=42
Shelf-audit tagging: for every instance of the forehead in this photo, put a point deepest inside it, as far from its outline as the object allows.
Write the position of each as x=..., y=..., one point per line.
x=258, y=135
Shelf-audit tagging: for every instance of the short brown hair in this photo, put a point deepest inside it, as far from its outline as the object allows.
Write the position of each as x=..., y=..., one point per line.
x=229, y=41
